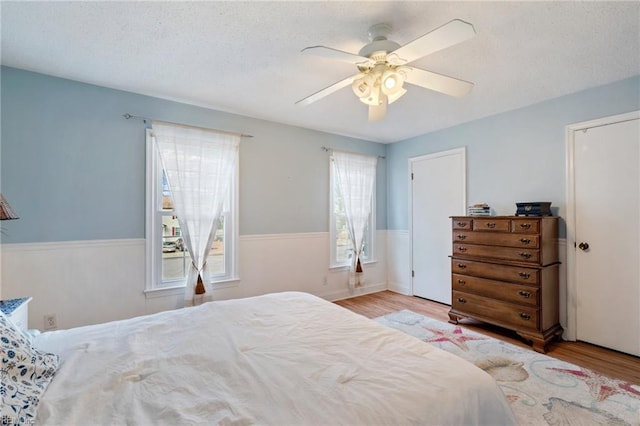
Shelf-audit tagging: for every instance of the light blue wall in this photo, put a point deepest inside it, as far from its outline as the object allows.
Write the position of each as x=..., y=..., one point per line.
x=74, y=169
x=515, y=156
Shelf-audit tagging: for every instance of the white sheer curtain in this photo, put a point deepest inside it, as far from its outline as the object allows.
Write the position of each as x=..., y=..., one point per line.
x=355, y=174
x=199, y=165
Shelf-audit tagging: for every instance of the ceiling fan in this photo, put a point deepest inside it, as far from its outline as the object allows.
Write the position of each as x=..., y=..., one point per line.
x=383, y=70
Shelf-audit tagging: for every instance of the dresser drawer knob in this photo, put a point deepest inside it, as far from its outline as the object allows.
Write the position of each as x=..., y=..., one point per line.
x=461, y=300
x=524, y=316
x=524, y=294
x=525, y=240
x=461, y=265
x=525, y=225
x=462, y=237
x=491, y=225
x=525, y=255
x=462, y=224
x=462, y=282
x=524, y=275
x=462, y=249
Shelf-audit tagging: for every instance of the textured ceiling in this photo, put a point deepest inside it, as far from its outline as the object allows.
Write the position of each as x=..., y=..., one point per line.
x=244, y=57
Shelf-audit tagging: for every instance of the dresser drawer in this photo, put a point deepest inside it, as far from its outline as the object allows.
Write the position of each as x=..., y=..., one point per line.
x=503, y=313
x=462, y=223
x=500, y=290
x=515, y=274
x=524, y=225
x=495, y=252
x=492, y=225
x=504, y=270
x=497, y=239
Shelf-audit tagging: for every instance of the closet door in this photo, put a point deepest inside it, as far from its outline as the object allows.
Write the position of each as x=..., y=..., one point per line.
x=438, y=185
x=607, y=235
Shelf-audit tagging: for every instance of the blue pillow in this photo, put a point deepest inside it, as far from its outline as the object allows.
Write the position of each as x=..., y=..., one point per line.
x=25, y=373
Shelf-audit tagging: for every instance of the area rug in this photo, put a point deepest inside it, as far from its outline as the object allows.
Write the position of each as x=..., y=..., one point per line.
x=542, y=390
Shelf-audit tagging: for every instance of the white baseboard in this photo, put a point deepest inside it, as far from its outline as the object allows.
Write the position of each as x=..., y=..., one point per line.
x=399, y=288
x=360, y=291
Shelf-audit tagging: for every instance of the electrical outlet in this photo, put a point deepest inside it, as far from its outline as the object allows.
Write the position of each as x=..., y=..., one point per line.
x=324, y=281
x=50, y=322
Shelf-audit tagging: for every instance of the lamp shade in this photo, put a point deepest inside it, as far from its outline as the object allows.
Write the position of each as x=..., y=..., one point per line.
x=6, y=212
x=395, y=96
x=362, y=87
x=392, y=82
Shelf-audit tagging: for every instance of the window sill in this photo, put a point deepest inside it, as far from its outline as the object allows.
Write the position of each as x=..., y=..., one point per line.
x=164, y=291
x=226, y=283
x=180, y=289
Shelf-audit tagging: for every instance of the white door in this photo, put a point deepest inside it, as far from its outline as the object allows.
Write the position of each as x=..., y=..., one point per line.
x=607, y=235
x=437, y=192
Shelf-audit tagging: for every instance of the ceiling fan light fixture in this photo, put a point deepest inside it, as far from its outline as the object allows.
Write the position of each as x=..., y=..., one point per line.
x=363, y=87
x=397, y=95
x=373, y=99
x=392, y=82
x=383, y=69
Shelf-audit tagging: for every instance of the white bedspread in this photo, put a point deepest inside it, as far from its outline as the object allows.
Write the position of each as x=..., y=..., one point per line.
x=279, y=359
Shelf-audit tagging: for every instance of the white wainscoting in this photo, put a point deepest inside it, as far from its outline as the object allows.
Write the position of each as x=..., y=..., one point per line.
x=281, y=262
x=81, y=282
x=399, y=261
x=88, y=282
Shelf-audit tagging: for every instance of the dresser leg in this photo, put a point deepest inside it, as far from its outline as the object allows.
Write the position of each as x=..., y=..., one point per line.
x=539, y=342
x=539, y=345
x=453, y=318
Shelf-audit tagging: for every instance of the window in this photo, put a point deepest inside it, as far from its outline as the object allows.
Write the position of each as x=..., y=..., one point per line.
x=168, y=259
x=341, y=250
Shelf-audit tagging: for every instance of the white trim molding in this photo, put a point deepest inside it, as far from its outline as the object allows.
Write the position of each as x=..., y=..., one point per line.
x=83, y=244
x=296, y=236
x=462, y=151
x=570, y=332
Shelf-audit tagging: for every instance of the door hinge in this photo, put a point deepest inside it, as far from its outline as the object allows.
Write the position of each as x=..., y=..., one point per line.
x=413, y=273
x=411, y=175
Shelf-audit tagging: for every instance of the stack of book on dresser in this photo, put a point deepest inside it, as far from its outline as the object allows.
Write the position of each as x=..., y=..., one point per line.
x=479, y=209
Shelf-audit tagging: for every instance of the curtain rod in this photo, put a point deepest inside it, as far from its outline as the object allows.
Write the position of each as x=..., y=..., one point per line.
x=324, y=148
x=145, y=119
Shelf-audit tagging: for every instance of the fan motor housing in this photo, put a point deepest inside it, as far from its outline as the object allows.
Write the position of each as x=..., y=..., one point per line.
x=378, y=35
x=385, y=46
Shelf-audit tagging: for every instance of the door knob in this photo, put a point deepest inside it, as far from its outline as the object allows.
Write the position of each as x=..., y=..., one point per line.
x=583, y=246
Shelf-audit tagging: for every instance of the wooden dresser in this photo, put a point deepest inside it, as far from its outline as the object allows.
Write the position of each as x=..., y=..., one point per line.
x=504, y=271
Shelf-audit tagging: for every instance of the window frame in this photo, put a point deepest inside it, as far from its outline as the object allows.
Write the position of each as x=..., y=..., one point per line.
x=154, y=284
x=370, y=235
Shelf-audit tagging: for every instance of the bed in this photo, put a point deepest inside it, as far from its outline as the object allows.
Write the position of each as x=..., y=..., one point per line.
x=279, y=359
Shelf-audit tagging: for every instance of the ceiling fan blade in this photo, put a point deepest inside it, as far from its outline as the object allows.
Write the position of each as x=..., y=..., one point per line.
x=328, y=52
x=378, y=112
x=328, y=90
x=438, y=82
x=451, y=33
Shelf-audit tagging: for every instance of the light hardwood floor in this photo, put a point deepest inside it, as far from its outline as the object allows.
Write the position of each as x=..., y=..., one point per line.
x=604, y=361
